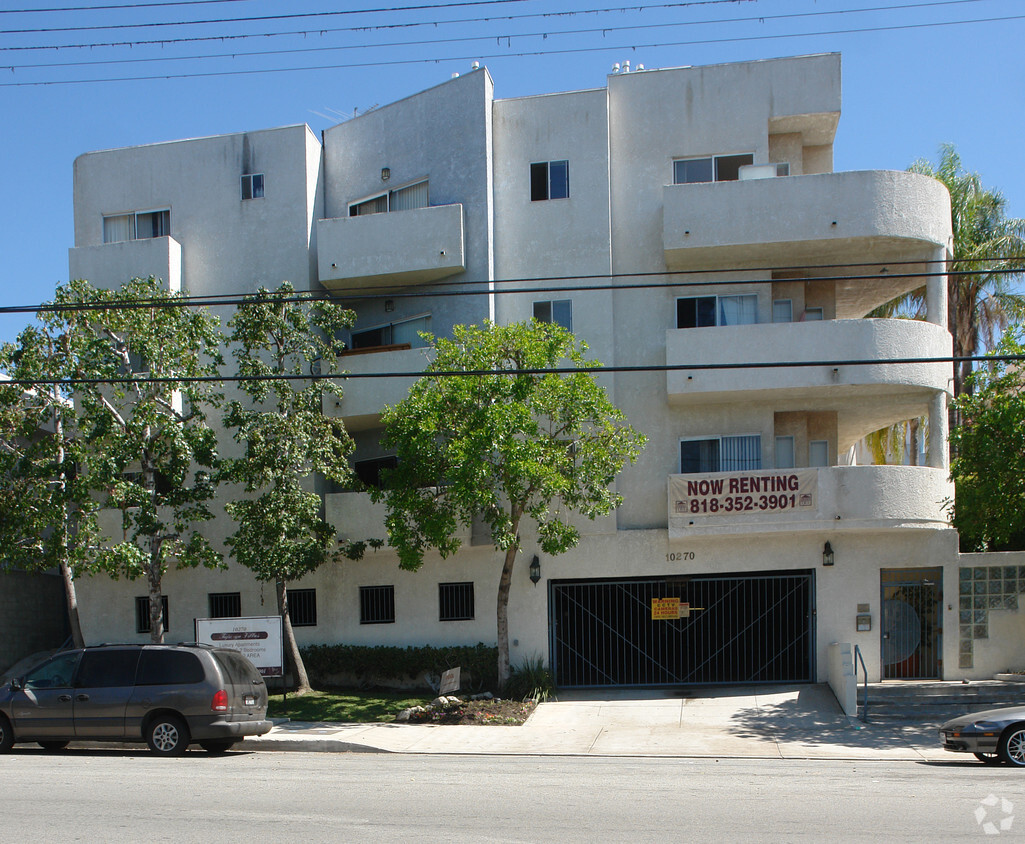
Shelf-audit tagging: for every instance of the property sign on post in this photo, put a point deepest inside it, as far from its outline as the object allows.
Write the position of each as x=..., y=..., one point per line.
x=257, y=639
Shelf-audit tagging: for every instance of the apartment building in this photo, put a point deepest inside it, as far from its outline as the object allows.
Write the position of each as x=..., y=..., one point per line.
x=687, y=221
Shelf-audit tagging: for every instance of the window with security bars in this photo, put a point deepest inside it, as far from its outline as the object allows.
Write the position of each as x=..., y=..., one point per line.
x=142, y=624
x=225, y=604
x=302, y=607
x=455, y=601
x=721, y=454
x=377, y=605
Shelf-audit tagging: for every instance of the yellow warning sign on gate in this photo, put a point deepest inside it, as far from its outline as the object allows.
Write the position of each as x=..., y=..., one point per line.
x=670, y=609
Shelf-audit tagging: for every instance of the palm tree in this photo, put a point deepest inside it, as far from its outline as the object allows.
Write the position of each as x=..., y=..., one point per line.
x=987, y=251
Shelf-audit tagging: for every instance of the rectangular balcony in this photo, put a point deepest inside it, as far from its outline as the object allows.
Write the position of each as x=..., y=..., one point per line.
x=110, y=265
x=391, y=250
x=837, y=498
x=363, y=399
x=355, y=517
x=793, y=219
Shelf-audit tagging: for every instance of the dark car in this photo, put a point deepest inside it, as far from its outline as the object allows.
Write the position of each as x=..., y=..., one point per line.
x=993, y=736
x=166, y=695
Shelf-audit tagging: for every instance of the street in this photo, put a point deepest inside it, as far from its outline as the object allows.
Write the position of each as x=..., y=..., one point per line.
x=125, y=796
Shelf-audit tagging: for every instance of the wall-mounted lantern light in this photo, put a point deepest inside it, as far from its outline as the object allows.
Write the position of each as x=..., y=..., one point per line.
x=827, y=555
x=535, y=570
x=385, y=174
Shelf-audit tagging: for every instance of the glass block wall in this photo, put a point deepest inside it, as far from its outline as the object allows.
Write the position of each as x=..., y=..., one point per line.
x=981, y=589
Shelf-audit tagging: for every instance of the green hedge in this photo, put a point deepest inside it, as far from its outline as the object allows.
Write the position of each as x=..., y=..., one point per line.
x=370, y=665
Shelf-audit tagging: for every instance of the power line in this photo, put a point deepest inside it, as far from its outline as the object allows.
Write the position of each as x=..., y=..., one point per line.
x=480, y=373
x=164, y=42
x=116, y=6
x=484, y=287
x=508, y=55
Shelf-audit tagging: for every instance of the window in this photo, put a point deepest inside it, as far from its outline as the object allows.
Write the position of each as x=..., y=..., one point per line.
x=782, y=310
x=818, y=453
x=225, y=604
x=813, y=314
x=252, y=186
x=783, y=168
x=455, y=601
x=402, y=199
x=404, y=332
x=159, y=667
x=142, y=614
x=716, y=168
x=377, y=605
x=785, y=453
x=721, y=454
x=702, y=311
x=302, y=607
x=137, y=225
x=369, y=471
x=559, y=311
x=54, y=674
x=549, y=180
x=106, y=669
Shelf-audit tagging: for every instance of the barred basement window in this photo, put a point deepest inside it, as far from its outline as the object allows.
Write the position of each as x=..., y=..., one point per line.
x=225, y=604
x=377, y=605
x=302, y=607
x=455, y=601
x=142, y=624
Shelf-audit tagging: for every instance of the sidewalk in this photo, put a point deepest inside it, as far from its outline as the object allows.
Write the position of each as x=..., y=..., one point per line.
x=803, y=722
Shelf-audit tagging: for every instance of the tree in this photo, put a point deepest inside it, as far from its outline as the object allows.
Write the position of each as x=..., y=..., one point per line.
x=286, y=437
x=986, y=246
x=47, y=508
x=988, y=468
x=143, y=416
x=510, y=439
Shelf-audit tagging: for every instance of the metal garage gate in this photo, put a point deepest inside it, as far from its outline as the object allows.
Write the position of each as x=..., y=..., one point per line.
x=744, y=628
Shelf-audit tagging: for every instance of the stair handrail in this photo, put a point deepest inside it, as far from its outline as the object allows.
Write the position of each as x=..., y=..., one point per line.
x=859, y=658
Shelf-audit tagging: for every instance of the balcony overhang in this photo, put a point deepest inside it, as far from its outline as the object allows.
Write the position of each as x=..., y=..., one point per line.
x=391, y=250
x=837, y=498
x=790, y=220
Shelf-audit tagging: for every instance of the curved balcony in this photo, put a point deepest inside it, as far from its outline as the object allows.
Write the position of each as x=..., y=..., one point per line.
x=363, y=399
x=793, y=219
x=112, y=264
x=394, y=249
x=838, y=498
x=805, y=343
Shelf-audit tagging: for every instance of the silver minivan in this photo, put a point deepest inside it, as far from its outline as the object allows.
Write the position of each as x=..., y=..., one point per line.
x=166, y=695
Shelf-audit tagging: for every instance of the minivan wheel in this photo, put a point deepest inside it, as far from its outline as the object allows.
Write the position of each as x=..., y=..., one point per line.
x=6, y=735
x=53, y=745
x=167, y=735
x=217, y=746
x=1012, y=745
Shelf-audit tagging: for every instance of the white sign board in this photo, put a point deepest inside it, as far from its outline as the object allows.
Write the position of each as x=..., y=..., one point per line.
x=257, y=639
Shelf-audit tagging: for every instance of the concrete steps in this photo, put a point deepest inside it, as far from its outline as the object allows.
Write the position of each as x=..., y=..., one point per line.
x=925, y=703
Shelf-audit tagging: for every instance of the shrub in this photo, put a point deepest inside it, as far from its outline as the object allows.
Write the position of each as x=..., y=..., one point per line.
x=530, y=680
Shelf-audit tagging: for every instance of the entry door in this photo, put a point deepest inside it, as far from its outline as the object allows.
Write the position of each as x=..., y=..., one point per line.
x=42, y=708
x=912, y=639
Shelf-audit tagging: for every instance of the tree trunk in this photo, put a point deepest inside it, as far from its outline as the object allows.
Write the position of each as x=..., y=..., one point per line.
x=504, y=585
x=302, y=679
x=72, y=603
x=156, y=598
x=71, y=598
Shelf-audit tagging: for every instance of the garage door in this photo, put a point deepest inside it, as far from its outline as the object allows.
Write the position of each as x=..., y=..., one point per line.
x=744, y=628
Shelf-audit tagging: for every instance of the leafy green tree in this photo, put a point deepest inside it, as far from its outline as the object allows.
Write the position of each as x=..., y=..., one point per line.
x=510, y=439
x=47, y=509
x=987, y=244
x=142, y=413
x=988, y=468
x=285, y=438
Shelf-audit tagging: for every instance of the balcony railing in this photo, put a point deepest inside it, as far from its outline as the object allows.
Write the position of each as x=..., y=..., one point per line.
x=394, y=249
x=837, y=498
x=112, y=264
x=804, y=343
x=800, y=218
x=363, y=399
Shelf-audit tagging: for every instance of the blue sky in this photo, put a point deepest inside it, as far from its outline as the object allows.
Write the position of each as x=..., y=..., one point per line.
x=908, y=84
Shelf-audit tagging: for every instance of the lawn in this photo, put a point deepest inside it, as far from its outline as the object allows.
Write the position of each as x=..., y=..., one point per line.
x=349, y=706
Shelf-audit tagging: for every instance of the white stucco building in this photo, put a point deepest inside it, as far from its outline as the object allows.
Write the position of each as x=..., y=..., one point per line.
x=674, y=219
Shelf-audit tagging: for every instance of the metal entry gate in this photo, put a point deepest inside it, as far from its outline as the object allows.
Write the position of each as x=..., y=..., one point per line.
x=912, y=630
x=745, y=628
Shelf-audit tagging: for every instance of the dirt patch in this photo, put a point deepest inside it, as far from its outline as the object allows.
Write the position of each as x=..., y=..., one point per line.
x=496, y=712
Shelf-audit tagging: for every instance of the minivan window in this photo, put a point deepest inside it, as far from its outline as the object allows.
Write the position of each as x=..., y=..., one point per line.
x=107, y=669
x=54, y=674
x=237, y=668
x=160, y=668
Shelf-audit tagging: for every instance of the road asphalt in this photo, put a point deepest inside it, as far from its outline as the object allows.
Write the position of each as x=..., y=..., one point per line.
x=797, y=722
